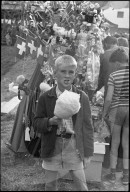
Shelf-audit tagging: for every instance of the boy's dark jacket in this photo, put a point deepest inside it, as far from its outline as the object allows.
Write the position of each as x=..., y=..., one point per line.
x=82, y=124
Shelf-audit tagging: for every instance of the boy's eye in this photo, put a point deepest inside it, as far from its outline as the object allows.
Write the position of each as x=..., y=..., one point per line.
x=63, y=71
x=71, y=72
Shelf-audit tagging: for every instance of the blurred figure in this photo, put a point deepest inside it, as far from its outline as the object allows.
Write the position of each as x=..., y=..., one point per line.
x=106, y=67
x=110, y=45
x=123, y=42
x=116, y=107
x=117, y=35
x=8, y=39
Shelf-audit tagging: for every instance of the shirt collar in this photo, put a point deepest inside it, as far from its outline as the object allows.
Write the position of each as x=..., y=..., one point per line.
x=58, y=92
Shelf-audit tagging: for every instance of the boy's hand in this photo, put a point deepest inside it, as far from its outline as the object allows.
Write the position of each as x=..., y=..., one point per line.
x=87, y=161
x=54, y=121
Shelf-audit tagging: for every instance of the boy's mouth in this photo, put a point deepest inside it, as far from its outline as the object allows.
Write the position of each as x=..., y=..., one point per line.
x=66, y=81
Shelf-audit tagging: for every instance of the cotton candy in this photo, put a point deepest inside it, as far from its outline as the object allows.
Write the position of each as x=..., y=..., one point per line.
x=67, y=105
x=44, y=87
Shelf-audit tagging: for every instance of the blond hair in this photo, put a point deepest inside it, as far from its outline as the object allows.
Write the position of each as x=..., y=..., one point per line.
x=66, y=60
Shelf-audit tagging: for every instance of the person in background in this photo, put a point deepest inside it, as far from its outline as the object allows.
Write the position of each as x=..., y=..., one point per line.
x=110, y=45
x=8, y=39
x=117, y=35
x=123, y=42
x=106, y=67
x=72, y=148
x=117, y=108
x=125, y=35
x=107, y=31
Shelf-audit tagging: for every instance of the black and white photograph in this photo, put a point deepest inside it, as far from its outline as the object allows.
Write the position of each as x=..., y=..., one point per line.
x=64, y=96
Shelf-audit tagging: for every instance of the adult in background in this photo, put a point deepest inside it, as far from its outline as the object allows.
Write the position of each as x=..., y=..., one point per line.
x=117, y=108
x=123, y=42
x=106, y=67
x=125, y=35
x=65, y=143
x=110, y=45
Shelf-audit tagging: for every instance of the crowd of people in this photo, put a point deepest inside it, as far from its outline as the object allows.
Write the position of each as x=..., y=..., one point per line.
x=116, y=109
x=9, y=33
x=115, y=61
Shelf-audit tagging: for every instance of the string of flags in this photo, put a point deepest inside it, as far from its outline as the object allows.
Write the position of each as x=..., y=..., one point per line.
x=30, y=46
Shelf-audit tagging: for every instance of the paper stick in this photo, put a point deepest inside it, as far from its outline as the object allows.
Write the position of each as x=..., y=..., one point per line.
x=20, y=37
x=98, y=143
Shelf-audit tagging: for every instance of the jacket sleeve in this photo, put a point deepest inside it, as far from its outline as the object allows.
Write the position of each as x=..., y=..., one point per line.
x=88, y=130
x=40, y=122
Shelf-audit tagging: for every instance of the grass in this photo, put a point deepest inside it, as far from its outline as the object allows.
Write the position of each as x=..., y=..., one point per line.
x=7, y=58
x=11, y=69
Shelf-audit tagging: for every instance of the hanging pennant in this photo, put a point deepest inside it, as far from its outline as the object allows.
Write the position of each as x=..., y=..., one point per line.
x=20, y=47
x=40, y=51
x=31, y=46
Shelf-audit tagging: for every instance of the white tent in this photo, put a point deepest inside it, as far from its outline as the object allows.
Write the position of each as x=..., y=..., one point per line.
x=116, y=4
x=113, y=16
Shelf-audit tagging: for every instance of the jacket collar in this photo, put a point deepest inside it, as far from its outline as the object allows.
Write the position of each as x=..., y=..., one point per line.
x=124, y=67
x=52, y=92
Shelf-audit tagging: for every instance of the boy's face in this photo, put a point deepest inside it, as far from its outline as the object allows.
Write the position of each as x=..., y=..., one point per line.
x=65, y=76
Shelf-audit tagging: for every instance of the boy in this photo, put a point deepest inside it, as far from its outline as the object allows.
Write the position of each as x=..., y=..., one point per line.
x=73, y=149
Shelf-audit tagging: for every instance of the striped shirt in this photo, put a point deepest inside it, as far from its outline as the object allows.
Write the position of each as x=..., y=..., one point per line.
x=120, y=80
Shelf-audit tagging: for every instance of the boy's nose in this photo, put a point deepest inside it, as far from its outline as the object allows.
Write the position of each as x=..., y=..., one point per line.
x=67, y=75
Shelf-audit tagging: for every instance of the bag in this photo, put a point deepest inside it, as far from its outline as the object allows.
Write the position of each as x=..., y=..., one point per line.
x=34, y=146
x=33, y=142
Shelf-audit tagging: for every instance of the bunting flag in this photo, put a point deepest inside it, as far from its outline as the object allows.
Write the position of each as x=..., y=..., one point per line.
x=40, y=51
x=31, y=46
x=20, y=47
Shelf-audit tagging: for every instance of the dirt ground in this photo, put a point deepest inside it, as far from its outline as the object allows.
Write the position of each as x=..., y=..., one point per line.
x=20, y=172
